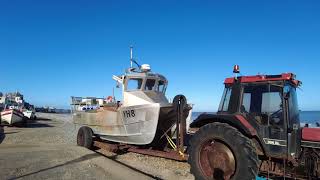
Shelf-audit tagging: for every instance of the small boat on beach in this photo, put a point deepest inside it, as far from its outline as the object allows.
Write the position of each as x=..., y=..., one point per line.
x=29, y=111
x=11, y=116
x=29, y=114
x=14, y=108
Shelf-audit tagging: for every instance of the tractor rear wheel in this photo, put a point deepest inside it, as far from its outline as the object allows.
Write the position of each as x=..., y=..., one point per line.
x=85, y=137
x=219, y=151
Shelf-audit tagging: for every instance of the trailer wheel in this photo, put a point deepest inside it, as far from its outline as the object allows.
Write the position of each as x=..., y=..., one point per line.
x=85, y=137
x=219, y=151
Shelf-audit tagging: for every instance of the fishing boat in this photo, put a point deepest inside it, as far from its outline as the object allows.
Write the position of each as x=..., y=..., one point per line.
x=30, y=114
x=143, y=115
x=11, y=116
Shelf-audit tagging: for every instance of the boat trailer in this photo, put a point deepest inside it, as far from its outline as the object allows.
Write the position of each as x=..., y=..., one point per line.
x=116, y=148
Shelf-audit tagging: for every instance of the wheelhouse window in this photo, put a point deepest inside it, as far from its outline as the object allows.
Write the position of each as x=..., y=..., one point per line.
x=161, y=86
x=150, y=84
x=134, y=84
x=224, y=104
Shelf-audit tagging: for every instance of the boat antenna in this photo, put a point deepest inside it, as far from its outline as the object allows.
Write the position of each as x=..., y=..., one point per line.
x=131, y=57
x=132, y=60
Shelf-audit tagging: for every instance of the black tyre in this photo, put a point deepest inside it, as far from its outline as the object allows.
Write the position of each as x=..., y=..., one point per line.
x=85, y=137
x=219, y=151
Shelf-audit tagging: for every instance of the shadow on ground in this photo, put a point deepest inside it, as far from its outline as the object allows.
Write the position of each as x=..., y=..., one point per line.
x=11, y=132
x=114, y=158
x=36, y=124
x=2, y=135
x=78, y=160
x=43, y=119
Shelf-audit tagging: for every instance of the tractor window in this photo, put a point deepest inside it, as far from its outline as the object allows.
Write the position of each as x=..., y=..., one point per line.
x=252, y=98
x=293, y=107
x=264, y=103
x=246, y=102
x=273, y=106
x=271, y=102
x=224, y=104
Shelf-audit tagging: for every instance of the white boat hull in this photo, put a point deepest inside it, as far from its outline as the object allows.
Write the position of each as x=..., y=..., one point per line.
x=29, y=114
x=11, y=117
x=131, y=125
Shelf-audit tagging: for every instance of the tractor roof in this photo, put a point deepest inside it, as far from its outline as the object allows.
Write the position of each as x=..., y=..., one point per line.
x=264, y=78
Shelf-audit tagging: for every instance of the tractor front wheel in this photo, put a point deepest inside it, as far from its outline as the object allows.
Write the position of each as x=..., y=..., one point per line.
x=219, y=151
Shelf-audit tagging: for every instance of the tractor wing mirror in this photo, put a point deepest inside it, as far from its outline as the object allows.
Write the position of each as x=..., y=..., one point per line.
x=286, y=92
x=287, y=95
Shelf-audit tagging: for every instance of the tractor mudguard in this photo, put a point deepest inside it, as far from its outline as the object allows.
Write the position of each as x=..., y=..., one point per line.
x=235, y=120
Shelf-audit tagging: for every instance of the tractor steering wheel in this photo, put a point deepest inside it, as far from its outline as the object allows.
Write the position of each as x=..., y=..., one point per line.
x=275, y=113
x=275, y=119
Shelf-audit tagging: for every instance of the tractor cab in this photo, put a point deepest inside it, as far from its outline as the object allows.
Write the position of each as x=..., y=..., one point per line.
x=257, y=126
x=269, y=103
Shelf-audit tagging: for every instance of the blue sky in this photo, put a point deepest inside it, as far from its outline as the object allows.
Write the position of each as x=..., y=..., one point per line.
x=50, y=50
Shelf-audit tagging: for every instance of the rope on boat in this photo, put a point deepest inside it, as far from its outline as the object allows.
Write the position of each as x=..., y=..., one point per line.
x=173, y=145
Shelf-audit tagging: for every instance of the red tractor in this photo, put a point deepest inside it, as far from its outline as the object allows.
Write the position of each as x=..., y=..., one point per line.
x=255, y=131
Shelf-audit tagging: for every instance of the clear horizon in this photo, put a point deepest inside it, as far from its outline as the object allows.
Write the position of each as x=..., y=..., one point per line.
x=50, y=51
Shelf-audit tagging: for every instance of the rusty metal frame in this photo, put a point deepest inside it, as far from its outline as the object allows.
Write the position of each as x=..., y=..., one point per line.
x=168, y=154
